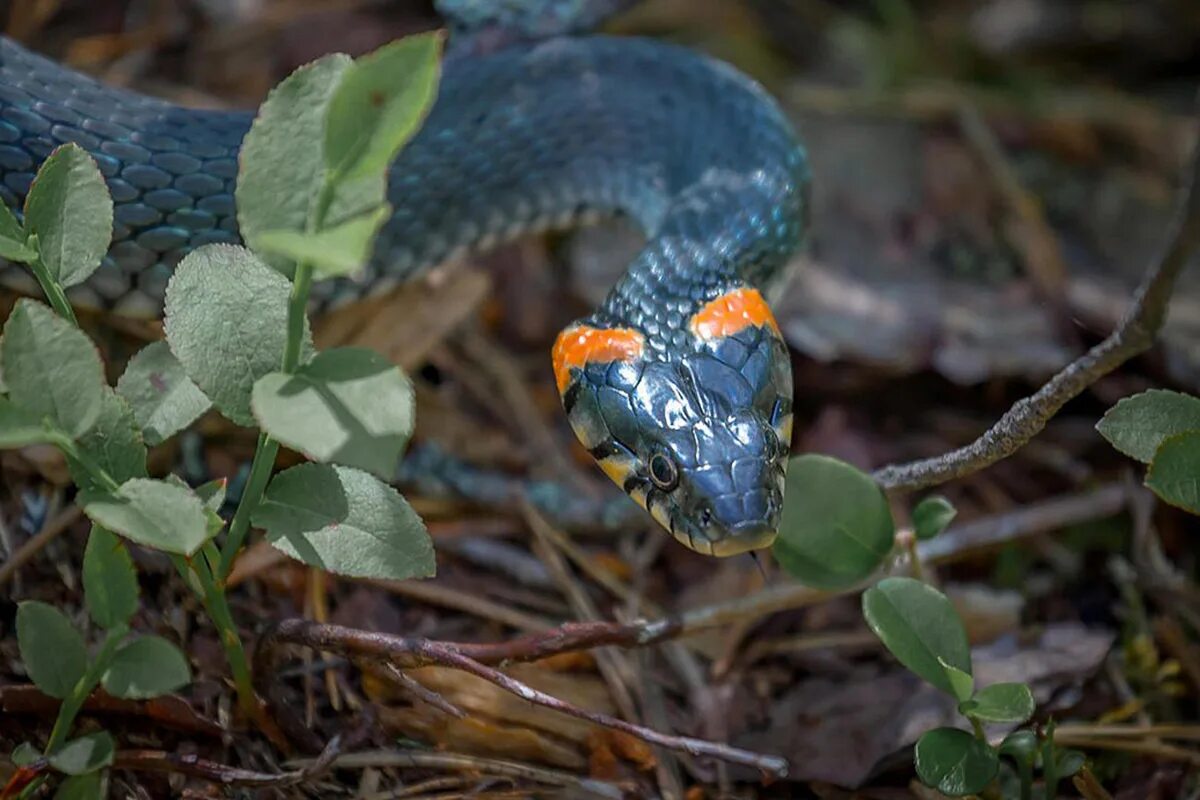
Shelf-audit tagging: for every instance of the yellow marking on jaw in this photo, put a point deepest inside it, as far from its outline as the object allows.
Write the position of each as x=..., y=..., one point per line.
x=616, y=468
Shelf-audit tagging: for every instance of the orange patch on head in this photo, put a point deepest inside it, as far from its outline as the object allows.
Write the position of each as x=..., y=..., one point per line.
x=578, y=346
x=732, y=312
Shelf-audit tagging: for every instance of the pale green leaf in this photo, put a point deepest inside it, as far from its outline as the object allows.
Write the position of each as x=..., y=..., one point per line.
x=380, y=104
x=337, y=251
x=51, y=648
x=226, y=322
x=71, y=213
x=20, y=427
x=962, y=683
x=836, y=527
x=153, y=513
x=1003, y=702
x=51, y=368
x=148, y=666
x=114, y=444
x=345, y=521
x=163, y=398
x=347, y=406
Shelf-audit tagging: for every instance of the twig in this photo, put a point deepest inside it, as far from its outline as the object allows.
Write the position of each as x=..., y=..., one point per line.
x=170, y=711
x=1134, y=335
x=418, y=690
x=419, y=759
x=405, y=652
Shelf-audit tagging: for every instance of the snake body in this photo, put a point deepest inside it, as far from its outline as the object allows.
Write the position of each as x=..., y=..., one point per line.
x=678, y=384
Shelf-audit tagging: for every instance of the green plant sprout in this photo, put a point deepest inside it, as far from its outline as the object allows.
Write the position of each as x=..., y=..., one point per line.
x=237, y=340
x=1161, y=429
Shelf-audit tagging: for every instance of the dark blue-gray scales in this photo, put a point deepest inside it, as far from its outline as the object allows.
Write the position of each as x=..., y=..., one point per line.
x=518, y=141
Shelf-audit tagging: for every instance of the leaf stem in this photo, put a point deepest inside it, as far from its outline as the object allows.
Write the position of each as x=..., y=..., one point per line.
x=53, y=290
x=72, y=703
x=260, y=473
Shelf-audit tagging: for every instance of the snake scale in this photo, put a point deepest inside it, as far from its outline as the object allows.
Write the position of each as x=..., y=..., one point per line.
x=679, y=384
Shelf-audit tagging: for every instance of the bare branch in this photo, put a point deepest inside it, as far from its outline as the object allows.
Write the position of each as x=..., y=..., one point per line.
x=1134, y=335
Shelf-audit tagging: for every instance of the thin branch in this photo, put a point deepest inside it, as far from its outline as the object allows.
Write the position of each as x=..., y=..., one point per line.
x=407, y=653
x=1135, y=334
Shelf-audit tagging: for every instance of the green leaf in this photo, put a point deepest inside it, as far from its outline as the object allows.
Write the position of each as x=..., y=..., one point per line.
x=1174, y=474
x=71, y=213
x=227, y=324
x=1003, y=702
x=954, y=762
x=84, y=754
x=148, y=666
x=1021, y=745
x=836, y=527
x=12, y=238
x=153, y=513
x=114, y=444
x=932, y=516
x=20, y=427
x=25, y=754
x=92, y=786
x=282, y=157
x=380, y=104
x=212, y=494
x=163, y=398
x=110, y=586
x=52, y=649
x=340, y=250
x=345, y=521
x=1137, y=425
x=962, y=683
x=920, y=627
x=51, y=367
x=349, y=406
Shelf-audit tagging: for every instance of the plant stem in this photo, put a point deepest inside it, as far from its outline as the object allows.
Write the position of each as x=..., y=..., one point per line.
x=980, y=734
x=53, y=291
x=217, y=604
x=260, y=473
x=95, y=671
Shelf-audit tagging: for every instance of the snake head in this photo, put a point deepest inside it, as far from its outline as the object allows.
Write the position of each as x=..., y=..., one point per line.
x=700, y=440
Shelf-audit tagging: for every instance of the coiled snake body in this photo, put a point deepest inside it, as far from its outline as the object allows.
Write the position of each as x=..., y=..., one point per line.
x=679, y=384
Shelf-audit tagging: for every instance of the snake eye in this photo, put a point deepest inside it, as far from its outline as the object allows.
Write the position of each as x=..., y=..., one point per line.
x=663, y=472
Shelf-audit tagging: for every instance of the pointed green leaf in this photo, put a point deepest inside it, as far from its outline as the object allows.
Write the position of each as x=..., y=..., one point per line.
x=10, y=228
x=1021, y=745
x=1174, y=474
x=71, y=213
x=836, y=527
x=114, y=444
x=51, y=368
x=148, y=666
x=337, y=251
x=1137, y=425
x=345, y=521
x=25, y=754
x=110, y=585
x=84, y=754
x=920, y=627
x=962, y=683
x=282, y=157
x=163, y=398
x=954, y=762
x=227, y=324
x=52, y=649
x=20, y=427
x=153, y=513
x=1003, y=702
x=932, y=516
x=379, y=105
x=92, y=786
x=349, y=406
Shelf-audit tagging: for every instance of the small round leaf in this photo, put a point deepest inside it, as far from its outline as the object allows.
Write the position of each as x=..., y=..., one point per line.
x=1174, y=474
x=110, y=586
x=1137, y=425
x=932, y=516
x=954, y=762
x=91, y=786
x=163, y=398
x=156, y=514
x=85, y=754
x=71, y=213
x=1004, y=702
x=836, y=527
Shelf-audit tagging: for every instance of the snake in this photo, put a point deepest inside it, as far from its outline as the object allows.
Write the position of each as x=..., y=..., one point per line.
x=678, y=384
